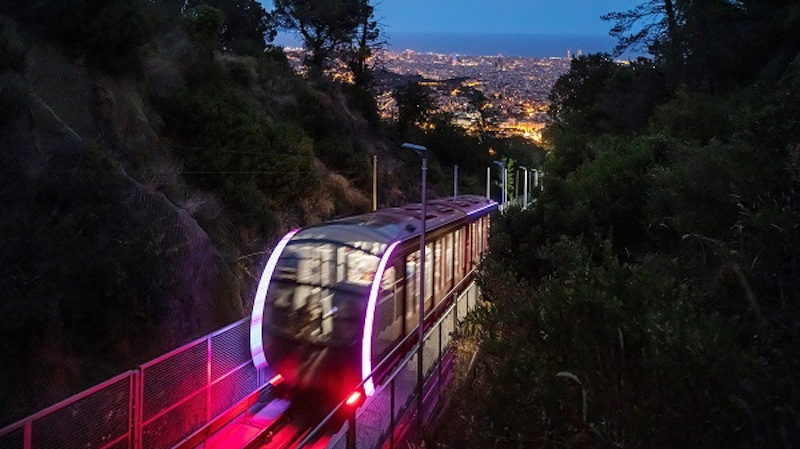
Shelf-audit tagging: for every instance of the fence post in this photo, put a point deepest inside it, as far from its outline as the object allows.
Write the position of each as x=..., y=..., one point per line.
x=27, y=434
x=439, y=380
x=133, y=421
x=351, y=430
x=138, y=405
x=208, y=380
x=391, y=414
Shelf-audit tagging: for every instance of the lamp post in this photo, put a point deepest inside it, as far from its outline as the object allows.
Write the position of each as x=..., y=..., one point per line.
x=422, y=152
x=524, y=187
x=374, y=183
x=503, y=193
x=488, y=182
x=455, y=180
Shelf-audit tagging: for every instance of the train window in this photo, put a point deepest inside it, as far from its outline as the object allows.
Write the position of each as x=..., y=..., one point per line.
x=448, y=256
x=485, y=228
x=399, y=286
x=318, y=290
x=412, y=290
x=438, y=256
x=459, y=253
x=360, y=267
x=386, y=329
x=429, y=266
x=473, y=230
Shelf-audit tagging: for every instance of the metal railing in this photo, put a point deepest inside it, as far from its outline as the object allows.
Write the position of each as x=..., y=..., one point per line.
x=157, y=406
x=173, y=397
x=387, y=413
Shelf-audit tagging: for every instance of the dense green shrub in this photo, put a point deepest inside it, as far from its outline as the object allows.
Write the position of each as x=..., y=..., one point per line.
x=650, y=299
x=232, y=150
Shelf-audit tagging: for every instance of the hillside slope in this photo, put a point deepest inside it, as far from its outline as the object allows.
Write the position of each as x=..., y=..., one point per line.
x=139, y=207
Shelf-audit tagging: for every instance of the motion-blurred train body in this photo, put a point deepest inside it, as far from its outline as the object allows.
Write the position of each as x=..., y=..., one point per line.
x=335, y=299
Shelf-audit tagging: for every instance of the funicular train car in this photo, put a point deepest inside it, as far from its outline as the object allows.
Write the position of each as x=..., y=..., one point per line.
x=336, y=298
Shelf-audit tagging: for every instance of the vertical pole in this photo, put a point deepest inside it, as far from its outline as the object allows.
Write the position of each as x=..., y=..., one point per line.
x=455, y=180
x=505, y=180
x=391, y=414
x=208, y=379
x=488, y=182
x=138, y=404
x=374, y=182
x=525, y=191
x=27, y=434
x=439, y=380
x=132, y=416
x=421, y=330
x=351, y=429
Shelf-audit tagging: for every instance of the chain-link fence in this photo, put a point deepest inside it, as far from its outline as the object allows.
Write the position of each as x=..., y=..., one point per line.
x=157, y=406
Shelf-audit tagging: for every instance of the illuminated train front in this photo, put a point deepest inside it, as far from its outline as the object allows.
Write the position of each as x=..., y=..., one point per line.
x=336, y=298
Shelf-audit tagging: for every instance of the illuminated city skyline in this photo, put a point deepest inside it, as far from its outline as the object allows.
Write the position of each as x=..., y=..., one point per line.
x=516, y=89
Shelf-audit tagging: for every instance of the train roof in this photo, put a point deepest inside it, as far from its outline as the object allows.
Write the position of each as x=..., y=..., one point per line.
x=397, y=223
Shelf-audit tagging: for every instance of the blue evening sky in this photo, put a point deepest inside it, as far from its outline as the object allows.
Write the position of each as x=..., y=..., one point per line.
x=490, y=17
x=498, y=16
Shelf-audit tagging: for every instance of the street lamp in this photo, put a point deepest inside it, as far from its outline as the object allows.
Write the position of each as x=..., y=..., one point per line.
x=524, y=187
x=455, y=180
x=422, y=152
x=488, y=182
x=503, y=193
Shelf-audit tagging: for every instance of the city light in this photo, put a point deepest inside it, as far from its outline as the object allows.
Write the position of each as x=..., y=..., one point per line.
x=518, y=88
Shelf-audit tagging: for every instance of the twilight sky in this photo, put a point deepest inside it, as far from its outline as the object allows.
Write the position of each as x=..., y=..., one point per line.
x=491, y=17
x=498, y=16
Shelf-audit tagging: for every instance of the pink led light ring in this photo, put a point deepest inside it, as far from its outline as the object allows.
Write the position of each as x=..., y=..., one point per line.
x=257, y=317
x=366, y=340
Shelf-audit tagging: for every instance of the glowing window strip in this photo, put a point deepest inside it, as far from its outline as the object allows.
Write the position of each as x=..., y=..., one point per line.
x=366, y=340
x=257, y=317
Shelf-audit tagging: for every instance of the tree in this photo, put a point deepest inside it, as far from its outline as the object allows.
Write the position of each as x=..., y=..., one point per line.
x=414, y=104
x=487, y=116
x=575, y=96
x=246, y=26
x=203, y=26
x=711, y=44
x=361, y=50
x=657, y=24
x=326, y=27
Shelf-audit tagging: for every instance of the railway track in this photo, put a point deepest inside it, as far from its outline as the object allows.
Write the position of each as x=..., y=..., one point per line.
x=289, y=429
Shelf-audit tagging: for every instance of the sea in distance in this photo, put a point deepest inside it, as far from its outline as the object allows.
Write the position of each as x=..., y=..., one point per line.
x=522, y=45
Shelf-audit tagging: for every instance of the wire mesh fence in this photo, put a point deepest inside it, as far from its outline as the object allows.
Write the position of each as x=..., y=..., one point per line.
x=155, y=407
